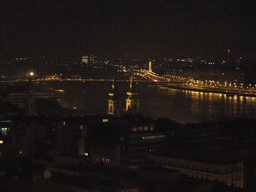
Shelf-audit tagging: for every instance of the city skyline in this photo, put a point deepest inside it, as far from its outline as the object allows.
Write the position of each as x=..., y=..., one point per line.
x=129, y=30
x=127, y=95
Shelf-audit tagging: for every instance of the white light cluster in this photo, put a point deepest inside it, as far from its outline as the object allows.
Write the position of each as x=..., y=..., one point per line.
x=153, y=137
x=4, y=130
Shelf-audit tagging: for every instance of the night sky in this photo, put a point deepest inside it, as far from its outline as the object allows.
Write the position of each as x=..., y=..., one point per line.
x=127, y=29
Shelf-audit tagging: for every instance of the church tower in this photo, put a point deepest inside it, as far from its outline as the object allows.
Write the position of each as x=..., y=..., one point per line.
x=132, y=102
x=113, y=100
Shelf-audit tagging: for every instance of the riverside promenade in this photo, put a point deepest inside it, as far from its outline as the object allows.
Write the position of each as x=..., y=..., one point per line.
x=227, y=91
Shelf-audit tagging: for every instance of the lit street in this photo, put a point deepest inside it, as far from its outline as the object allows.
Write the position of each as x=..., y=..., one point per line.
x=197, y=85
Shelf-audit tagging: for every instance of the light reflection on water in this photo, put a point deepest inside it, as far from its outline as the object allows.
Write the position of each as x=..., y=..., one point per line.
x=203, y=106
x=180, y=105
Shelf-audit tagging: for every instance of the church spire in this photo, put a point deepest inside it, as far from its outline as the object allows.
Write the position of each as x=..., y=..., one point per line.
x=113, y=84
x=131, y=82
x=132, y=102
x=113, y=91
x=132, y=91
x=113, y=101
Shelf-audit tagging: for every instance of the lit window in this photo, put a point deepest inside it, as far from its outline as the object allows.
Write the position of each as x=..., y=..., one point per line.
x=20, y=152
x=146, y=128
x=134, y=129
x=64, y=123
x=81, y=127
x=86, y=154
x=151, y=128
x=103, y=159
x=1, y=141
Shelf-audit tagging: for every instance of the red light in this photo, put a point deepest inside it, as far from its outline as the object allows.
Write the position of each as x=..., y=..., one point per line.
x=228, y=50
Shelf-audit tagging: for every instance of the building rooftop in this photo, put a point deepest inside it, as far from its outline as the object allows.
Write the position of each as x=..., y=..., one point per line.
x=158, y=169
x=234, y=155
x=37, y=185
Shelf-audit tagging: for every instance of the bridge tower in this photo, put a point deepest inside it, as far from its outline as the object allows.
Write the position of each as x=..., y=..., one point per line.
x=132, y=102
x=149, y=66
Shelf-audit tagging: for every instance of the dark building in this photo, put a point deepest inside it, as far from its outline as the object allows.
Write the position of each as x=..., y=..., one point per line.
x=127, y=143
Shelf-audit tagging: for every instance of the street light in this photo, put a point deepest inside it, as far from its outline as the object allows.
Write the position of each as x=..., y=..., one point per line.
x=31, y=74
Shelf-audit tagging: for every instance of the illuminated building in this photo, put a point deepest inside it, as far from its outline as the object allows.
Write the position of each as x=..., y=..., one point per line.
x=85, y=59
x=113, y=102
x=132, y=102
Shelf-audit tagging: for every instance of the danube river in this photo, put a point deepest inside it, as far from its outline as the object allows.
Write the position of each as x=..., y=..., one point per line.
x=180, y=105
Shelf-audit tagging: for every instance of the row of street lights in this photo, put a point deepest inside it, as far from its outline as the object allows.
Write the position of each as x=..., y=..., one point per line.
x=209, y=83
x=206, y=83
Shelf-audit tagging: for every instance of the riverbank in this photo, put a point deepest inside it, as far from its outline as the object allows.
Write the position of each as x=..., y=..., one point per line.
x=210, y=90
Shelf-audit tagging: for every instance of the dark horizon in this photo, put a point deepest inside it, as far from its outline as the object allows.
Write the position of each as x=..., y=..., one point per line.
x=128, y=30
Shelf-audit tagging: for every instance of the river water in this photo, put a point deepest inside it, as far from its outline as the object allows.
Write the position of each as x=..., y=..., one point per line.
x=180, y=105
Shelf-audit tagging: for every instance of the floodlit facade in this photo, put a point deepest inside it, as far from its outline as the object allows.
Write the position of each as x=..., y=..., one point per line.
x=113, y=102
